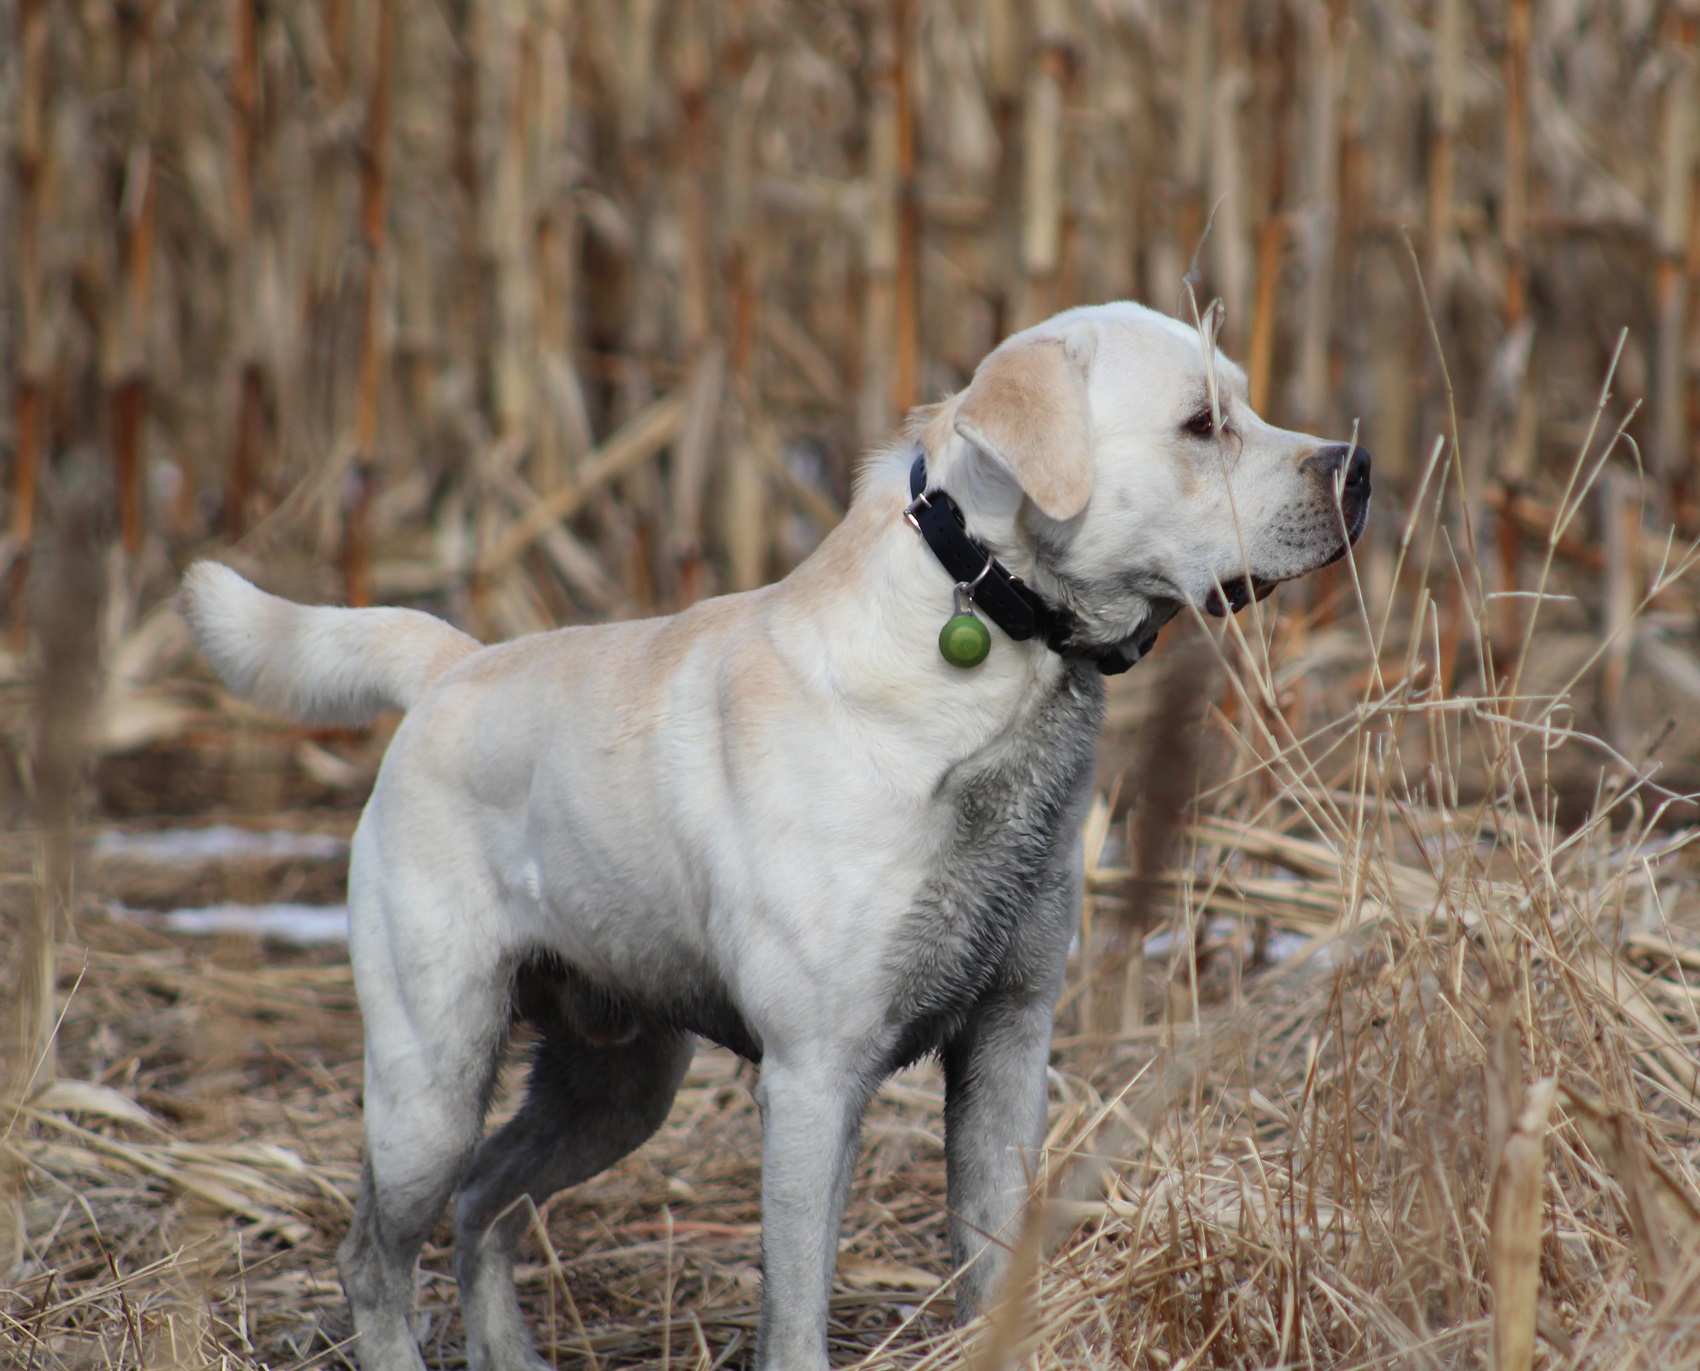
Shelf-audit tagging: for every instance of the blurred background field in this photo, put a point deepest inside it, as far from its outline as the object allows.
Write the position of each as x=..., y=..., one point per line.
x=532, y=312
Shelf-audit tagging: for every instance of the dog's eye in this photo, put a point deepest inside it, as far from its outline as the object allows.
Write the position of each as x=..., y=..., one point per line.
x=1201, y=425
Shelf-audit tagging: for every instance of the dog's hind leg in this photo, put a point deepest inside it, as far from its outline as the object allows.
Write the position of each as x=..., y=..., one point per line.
x=431, y=1054
x=586, y=1106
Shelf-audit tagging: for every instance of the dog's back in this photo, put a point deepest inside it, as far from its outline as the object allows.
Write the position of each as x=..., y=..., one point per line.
x=319, y=664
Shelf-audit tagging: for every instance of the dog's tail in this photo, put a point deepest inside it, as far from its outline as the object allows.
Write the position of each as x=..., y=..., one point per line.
x=322, y=665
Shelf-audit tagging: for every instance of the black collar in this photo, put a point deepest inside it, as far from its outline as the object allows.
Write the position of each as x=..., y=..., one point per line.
x=1007, y=600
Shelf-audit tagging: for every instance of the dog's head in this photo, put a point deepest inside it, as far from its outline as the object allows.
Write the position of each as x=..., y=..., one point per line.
x=1087, y=449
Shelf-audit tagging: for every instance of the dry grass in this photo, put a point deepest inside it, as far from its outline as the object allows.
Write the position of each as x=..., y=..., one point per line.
x=1455, y=1111
x=545, y=312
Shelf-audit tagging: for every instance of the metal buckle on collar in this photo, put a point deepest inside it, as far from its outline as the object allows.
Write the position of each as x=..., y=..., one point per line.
x=919, y=502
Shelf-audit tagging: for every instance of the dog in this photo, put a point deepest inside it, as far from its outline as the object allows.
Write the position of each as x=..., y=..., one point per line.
x=831, y=824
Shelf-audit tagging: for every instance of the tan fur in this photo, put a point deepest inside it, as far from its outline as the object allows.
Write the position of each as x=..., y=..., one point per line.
x=1027, y=408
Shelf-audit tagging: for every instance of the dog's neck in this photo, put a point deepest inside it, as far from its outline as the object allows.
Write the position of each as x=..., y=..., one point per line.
x=981, y=580
x=890, y=597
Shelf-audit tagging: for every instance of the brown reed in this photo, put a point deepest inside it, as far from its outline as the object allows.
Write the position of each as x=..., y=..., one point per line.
x=600, y=302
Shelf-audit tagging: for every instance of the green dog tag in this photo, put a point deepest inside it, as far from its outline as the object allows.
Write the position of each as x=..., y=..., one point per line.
x=964, y=641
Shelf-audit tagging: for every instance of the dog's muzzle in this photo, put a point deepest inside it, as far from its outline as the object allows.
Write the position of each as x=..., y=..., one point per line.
x=1347, y=465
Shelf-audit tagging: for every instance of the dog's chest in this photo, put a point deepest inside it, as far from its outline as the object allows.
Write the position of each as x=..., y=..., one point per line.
x=1013, y=812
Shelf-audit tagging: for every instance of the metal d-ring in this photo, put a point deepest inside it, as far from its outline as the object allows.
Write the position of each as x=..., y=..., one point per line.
x=964, y=590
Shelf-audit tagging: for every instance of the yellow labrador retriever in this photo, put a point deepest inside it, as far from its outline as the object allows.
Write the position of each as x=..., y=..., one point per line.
x=802, y=822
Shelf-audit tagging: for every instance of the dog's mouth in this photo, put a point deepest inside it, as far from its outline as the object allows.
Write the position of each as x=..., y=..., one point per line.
x=1354, y=517
x=1233, y=596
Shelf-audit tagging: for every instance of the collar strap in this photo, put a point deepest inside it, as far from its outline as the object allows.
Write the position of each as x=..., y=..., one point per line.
x=1008, y=601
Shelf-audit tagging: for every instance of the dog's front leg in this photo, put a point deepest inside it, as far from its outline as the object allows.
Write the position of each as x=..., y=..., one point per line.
x=811, y=1114
x=995, y=1087
x=995, y=1098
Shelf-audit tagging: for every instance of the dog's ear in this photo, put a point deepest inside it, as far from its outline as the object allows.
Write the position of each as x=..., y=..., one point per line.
x=1026, y=409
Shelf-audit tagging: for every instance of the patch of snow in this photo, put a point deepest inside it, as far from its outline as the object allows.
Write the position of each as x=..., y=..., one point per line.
x=290, y=923
x=217, y=843
x=1281, y=945
x=1218, y=930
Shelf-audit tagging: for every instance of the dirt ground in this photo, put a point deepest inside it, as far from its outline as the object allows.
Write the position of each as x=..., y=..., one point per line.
x=193, y=1170
x=1381, y=989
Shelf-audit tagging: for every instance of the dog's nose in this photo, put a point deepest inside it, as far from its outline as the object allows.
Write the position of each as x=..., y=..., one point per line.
x=1330, y=458
x=1350, y=464
x=1327, y=463
x=1357, y=475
